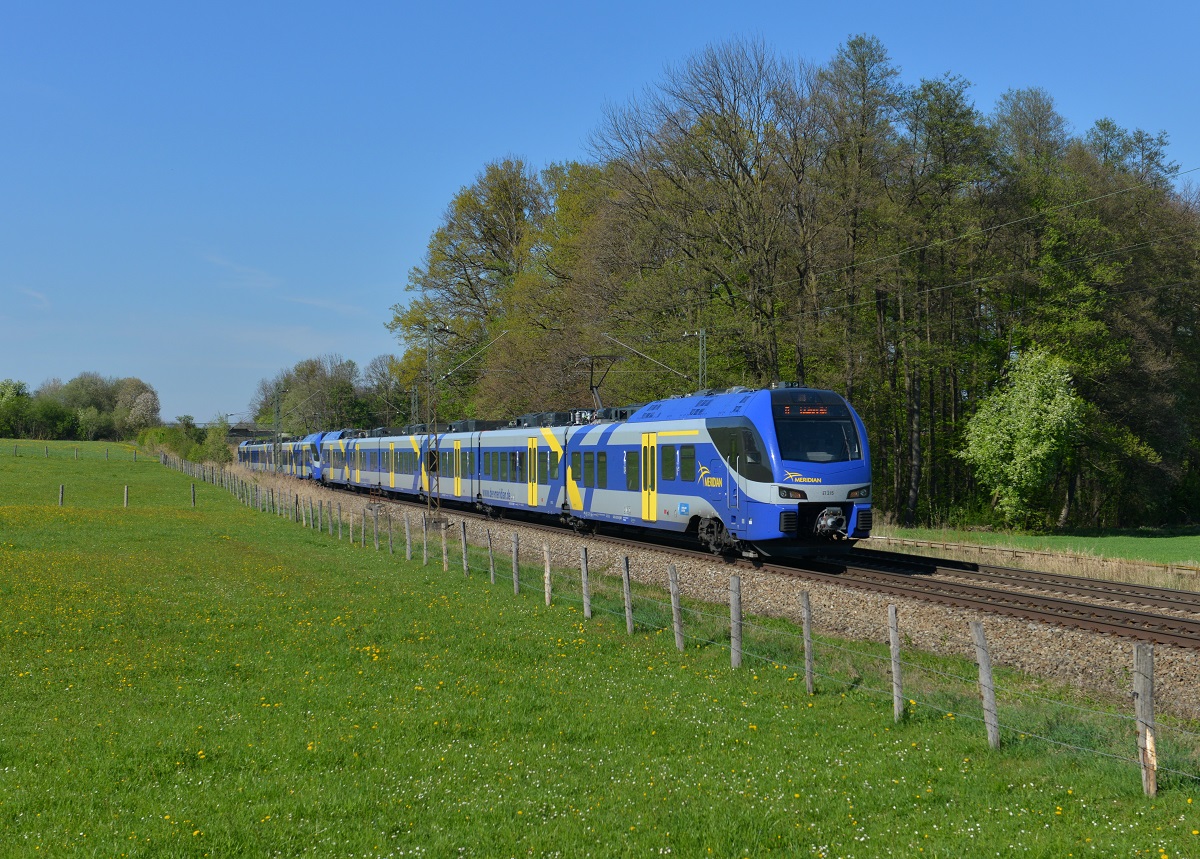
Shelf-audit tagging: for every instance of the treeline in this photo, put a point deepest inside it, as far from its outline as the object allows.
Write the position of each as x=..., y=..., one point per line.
x=331, y=392
x=835, y=225
x=88, y=407
x=191, y=442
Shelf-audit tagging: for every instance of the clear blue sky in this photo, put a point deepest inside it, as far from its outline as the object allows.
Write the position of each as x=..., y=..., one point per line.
x=203, y=194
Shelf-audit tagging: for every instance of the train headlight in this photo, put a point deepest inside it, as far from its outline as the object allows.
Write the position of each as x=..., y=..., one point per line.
x=794, y=494
x=861, y=492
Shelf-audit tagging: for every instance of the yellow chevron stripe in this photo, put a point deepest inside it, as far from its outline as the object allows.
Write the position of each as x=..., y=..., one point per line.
x=417, y=450
x=573, y=496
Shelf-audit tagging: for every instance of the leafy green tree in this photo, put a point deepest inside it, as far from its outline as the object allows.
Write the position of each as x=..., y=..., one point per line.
x=10, y=389
x=1020, y=437
x=14, y=408
x=47, y=418
x=216, y=441
x=464, y=287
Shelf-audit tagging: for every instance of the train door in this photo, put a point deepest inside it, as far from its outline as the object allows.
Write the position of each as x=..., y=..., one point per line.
x=458, y=469
x=649, y=477
x=391, y=464
x=531, y=484
x=729, y=484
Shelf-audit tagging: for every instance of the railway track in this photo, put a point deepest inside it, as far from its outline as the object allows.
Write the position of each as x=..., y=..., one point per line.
x=1139, y=595
x=1023, y=594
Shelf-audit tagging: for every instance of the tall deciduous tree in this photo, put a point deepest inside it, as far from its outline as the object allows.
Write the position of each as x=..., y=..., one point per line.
x=1022, y=434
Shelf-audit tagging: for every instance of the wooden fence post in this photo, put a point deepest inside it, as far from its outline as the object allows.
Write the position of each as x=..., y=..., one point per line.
x=735, y=621
x=462, y=533
x=193, y=495
x=546, y=574
x=676, y=608
x=391, y=550
x=1143, y=700
x=491, y=558
x=587, y=586
x=987, y=688
x=806, y=621
x=897, y=683
x=445, y=549
x=339, y=518
x=424, y=540
x=362, y=537
x=126, y=494
x=628, y=594
x=375, y=524
x=407, y=538
x=62, y=489
x=516, y=549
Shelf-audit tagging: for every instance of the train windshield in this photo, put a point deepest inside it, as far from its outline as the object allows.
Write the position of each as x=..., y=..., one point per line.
x=814, y=426
x=817, y=439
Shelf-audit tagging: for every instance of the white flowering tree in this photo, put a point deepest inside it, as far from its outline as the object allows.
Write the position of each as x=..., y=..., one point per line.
x=144, y=412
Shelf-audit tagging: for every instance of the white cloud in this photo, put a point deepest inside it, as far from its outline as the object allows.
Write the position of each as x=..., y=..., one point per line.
x=41, y=302
x=244, y=275
x=323, y=304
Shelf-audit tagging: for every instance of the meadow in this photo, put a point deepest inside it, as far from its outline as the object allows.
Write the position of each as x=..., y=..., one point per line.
x=217, y=681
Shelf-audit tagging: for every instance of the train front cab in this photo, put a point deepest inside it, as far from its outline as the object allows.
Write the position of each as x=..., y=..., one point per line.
x=797, y=466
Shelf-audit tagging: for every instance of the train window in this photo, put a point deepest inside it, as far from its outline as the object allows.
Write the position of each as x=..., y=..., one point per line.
x=633, y=470
x=503, y=470
x=554, y=465
x=543, y=467
x=687, y=463
x=589, y=469
x=471, y=463
x=666, y=455
x=576, y=466
x=487, y=464
x=519, y=474
x=742, y=447
x=815, y=439
x=602, y=470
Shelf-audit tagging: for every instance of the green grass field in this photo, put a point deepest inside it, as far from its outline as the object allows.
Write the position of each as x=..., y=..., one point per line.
x=1155, y=546
x=222, y=682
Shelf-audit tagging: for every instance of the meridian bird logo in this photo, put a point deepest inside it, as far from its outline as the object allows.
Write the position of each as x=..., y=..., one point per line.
x=800, y=478
x=707, y=479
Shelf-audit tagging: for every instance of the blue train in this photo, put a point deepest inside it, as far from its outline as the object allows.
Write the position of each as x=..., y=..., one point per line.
x=739, y=469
